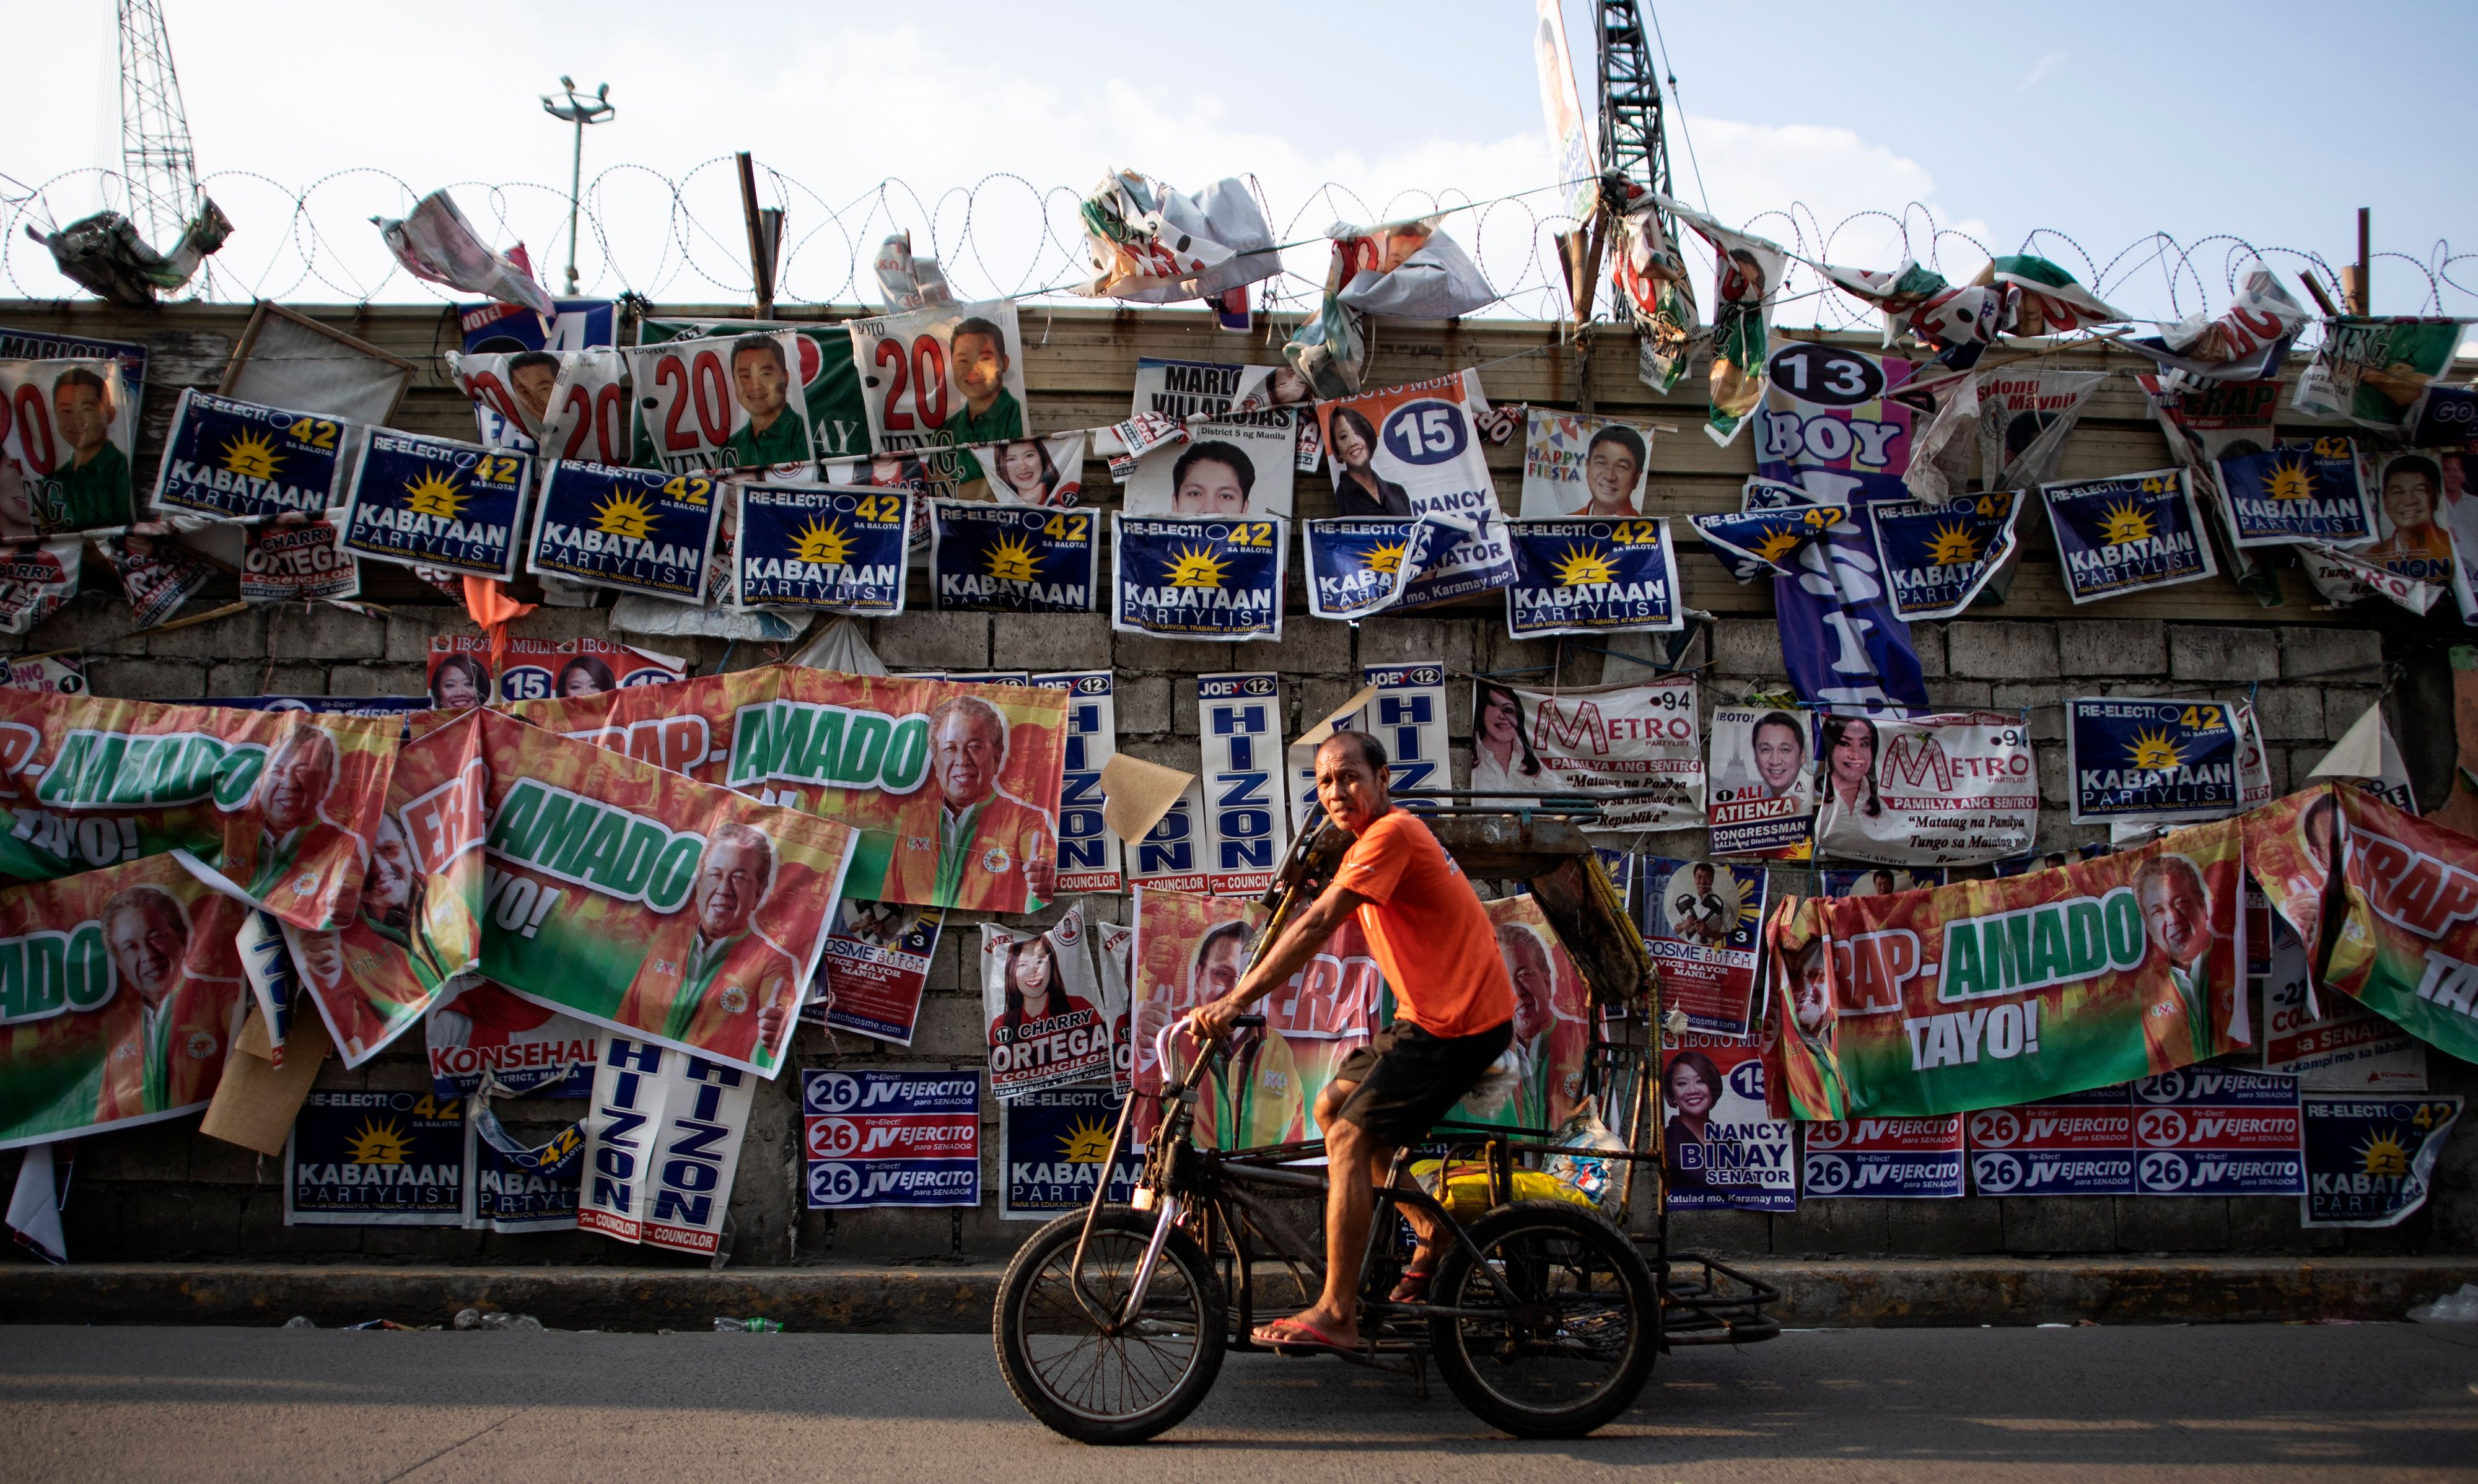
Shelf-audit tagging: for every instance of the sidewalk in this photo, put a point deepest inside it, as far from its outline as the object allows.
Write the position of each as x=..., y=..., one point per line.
x=951, y=1300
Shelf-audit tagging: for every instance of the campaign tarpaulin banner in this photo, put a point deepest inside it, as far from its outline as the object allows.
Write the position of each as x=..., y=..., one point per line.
x=2078, y=1143
x=2297, y=492
x=569, y=404
x=874, y=967
x=2129, y=533
x=1538, y=1081
x=640, y=900
x=1113, y=957
x=1577, y=464
x=941, y=376
x=2025, y=415
x=1620, y=736
x=35, y=579
x=891, y=1139
x=1888, y=1159
x=2152, y=761
x=1198, y=579
x=2370, y=1161
x=70, y=434
x=487, y=1035
x=1593, y=577
x=1014, y=558
x=1828, y=426
x=428, y=502
x=1217, y=391
x=1408, y=716
x=1052, y=1145
x=120, y=993
x=2330, y=1043
x=1760, y=542
x=1761, y=798
x=1719, y=1150
x=417, y=924
x=2375, y=371
x=231, y=459
x=1958, y=789
x=1224, y=469
x=18, y=344
x=1171, y=857
x=570, y=669
x=822, y=550
x=1043, y=1008
x=635, y=530
x=1939, y=558
x=662, y=1144
x=1359, y=568
x=277, y=807
x=376, y=1159
x=2406, y=492
x=1703, y=923
x=157, y=573
x=2210, y=1131
x=1409, y=450
x=725, y=402
x=512, y=1187
x=830, y=385
x=1975, y=994
x=1034, y=470
x=2249, y=339
x=287, y=561
x=1090, y=858
x=1246, y=822
x=894, y=758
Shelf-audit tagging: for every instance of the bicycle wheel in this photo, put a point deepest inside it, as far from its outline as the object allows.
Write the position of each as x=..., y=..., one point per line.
x=1575, y=1348
x=1090, y=1384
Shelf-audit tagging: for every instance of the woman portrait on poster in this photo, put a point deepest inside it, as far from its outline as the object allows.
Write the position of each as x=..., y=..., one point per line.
x=1849, y=744
x=1691, y=1085
x=1027, y=474
x=1501, y=755
x=1034, y=994
x=1357, y=492
x=583, y=676
x=459, y=684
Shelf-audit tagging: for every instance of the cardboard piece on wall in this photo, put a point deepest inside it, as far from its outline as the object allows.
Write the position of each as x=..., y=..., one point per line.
x=1137, y=793
x=256, y=1102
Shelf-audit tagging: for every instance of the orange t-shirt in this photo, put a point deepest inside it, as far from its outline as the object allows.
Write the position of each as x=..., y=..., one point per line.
x=1426, y=929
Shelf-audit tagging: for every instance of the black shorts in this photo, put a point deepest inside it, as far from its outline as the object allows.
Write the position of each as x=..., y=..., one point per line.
x=1409, y=1078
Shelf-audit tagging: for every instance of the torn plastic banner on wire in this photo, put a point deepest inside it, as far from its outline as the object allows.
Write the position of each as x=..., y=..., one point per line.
x=1406, y=270
x=1653, y=285
x=1358, y=567
x=1747, y=274
x=1956, y=323
x=435, y=244
x=2248, y=342
x=2025, y=415
x=2053, y=300
x=104, y=255
x=1756, y=542
x=1939, y=558
x=1156, y=245
x=2344, y=577
x=2377, y=373
x=905, y=281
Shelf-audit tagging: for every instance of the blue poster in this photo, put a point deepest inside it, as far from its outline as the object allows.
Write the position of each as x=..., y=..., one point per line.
x=892, y=1138
x=1358, y=567
x=1938, y=559
x=512, y=1188
x=1052, y=1145
x=2369, y=1159
x=574, y=324
x=2297, y=492
x=1089, y=855
x=429, y=502
x=1013, y=559
x=2152, y=761
x=1198, y=578
x=237, y=460
x=2447, y=417
x=1763, y=541
x=636, y=530
x=376, y=1159
x=823, y=550
x=2128, y=534
x=1592, y=577
x=2081, y=1144
x=1840, y=640
x=1894, y=1159
x=2209, y=1131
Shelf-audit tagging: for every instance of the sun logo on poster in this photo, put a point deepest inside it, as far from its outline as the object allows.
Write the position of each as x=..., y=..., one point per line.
x=1385, y=557
x=1777, y=545
x=1585, y=567
x=1193, y=567
x=379, y=1143
x=1087, y=1143
x=2155, y=749
x=434, y=495
x=1952, y=548
x=2124, y=524
x=824, y=546
x=2382, y=1154
x=1011, y=560
x=252, y=456
x=623, y=514
x=2292, y=481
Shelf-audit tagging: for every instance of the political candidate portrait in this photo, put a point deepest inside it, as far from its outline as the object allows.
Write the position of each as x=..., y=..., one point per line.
x=711, y=979
x=993, y=851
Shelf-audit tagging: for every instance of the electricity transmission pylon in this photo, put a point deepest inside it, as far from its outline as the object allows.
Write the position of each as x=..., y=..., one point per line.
x=157, y=164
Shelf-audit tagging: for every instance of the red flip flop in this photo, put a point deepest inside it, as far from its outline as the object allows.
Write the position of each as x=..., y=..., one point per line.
x=1295, y=1337
x=1413, y=1287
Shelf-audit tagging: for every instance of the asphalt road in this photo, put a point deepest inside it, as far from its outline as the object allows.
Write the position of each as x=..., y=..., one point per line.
x=2327, y=1403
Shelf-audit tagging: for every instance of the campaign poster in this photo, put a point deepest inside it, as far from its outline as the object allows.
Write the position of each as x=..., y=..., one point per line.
x=2129, y=533
x=569, y=404
x=1538, y=1081
x=1240, y=721
x=120, y=993
x=69, y=434
x=1047, y=472
x=953, y=788
x=574, y=325
x=49, y=674
x=1719, y=1149
x=1114, y=956
x=1593, y=576
x=157, y=573
x=1172, y=855
x=416, y=925
x=287, y=561
x=428, y=502
x=634, y=897
x=1939, y=558
x=829, y=386
x=1607, y=738
x=1576, y=464
x=1227, y=470
x=277, y=807
x=35, y=579
x=18, y=344
x=1043, y=1007
x=1406, y=712
x=2375, y=371
x=2406, y=491
x=944, y=376
x=891, y=1139
x=721, y=402
x=2303, y=491
x=1414, y=450
x=1955, y=789
x=2370, y=1159
x=569, y=669
x=2211, y=1131
x=230, y=460
x=1886, y=1158
x=1052, y=1145
x=1198, y=579
x=482, y=1036
x=1361, y=567
x=511, y=1185
x=1878, y=881
x=633, y=530
x=1013, y=559
x=1703, y=921
x=662, y=1144
x=2329, y=1042
x=1764, y=539
x=376, y=1159
x=1987, y=993
x=2074, y=1143
x=2152, y=761
x=1219, y=391
x=2024, y=415
x=810, y=549
x=1089, y=852
x=1761, y=799
x=874, y=969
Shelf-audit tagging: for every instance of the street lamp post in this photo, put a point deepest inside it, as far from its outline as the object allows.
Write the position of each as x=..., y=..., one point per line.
x=580, y=111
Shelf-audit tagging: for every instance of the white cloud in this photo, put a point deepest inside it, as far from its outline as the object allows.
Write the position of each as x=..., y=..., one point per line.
x=2041, y=68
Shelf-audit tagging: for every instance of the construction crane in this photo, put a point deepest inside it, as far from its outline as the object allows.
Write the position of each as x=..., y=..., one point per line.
x=157, y=164
x=1632, y=141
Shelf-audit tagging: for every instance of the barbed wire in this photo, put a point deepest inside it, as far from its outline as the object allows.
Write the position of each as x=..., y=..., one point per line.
x=683, y=240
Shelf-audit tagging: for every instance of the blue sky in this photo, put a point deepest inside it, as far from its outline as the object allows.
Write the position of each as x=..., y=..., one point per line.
x=2107, y=121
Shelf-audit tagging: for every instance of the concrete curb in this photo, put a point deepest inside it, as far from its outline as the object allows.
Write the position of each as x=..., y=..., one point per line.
x=957, y=1300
